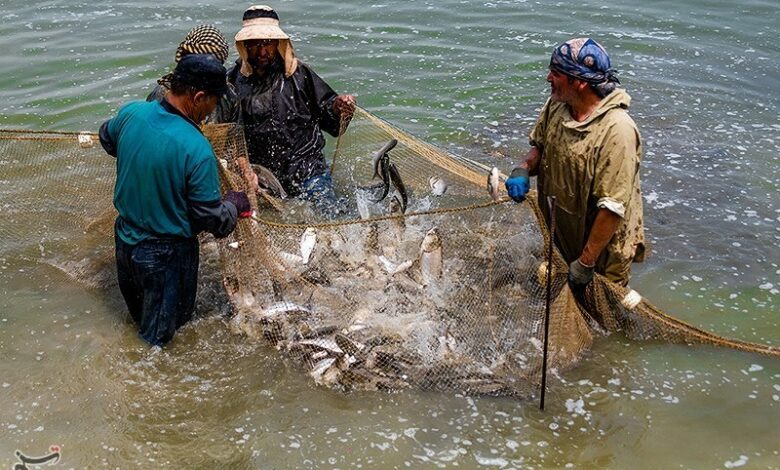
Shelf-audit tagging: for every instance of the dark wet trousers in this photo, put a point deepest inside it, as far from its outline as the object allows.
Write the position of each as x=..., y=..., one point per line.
x=158, y=279
x=319, y=190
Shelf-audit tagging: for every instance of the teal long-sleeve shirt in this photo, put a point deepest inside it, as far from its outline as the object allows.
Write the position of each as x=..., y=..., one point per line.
x=167, y=184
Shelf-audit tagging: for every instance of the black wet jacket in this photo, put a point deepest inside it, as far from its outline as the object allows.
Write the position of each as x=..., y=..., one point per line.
x=284, y=118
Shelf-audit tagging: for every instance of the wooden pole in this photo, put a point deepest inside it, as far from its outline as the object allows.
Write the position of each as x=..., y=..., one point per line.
x=551, y=206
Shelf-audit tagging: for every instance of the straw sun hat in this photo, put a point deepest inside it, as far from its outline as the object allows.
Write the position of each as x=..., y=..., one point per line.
x=262, y=22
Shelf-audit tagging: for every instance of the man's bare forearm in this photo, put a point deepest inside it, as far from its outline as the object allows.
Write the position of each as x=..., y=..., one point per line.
x=531, y=161
x=601, y=233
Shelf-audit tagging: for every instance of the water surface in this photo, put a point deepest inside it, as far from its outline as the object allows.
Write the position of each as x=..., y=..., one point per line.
x=468, y=76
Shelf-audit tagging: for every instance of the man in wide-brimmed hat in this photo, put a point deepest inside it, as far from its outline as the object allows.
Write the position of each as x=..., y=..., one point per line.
x=586, y=151
x=284, y=107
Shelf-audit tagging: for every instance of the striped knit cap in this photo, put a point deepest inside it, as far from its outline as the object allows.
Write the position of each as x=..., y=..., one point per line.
x=204, y=39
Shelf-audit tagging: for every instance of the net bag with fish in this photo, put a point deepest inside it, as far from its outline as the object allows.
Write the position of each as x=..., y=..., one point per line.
x=428, y=277
x=424, y=278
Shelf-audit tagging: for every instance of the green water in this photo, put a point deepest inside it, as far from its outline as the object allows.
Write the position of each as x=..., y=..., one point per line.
x=469, y=77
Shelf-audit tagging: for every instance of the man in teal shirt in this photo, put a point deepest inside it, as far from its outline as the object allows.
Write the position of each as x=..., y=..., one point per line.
x=166, y=192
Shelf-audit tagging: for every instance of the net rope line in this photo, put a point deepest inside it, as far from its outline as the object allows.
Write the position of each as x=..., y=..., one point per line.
x=441, y=211
x=433, y=154
x=43, y=136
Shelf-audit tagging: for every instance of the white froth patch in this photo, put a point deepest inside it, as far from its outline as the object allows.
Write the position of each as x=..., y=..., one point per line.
x=742, y=460
x=491, y=461
x=577, y=407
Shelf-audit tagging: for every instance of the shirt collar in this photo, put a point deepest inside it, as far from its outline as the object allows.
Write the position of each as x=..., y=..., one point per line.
x=173, y=110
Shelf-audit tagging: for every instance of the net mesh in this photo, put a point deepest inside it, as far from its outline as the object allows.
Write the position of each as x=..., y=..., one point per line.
x=448, y=296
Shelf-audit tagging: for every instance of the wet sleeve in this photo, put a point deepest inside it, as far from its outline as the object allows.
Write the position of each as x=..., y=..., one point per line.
x=227, y=108
x=322, y=100
x=107, y=141
x=216, y=217
x=616, y=168
x=207, y=211
x=537, y=136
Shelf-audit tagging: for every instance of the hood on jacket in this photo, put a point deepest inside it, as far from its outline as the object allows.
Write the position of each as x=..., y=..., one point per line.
x=617, y=99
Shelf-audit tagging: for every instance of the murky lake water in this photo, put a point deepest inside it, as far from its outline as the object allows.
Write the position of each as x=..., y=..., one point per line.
x=468, y=76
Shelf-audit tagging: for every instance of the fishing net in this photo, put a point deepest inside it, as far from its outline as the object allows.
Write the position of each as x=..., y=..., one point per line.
x=447, y=293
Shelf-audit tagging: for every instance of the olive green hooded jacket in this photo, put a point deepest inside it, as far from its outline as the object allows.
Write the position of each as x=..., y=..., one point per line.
x=588, y=166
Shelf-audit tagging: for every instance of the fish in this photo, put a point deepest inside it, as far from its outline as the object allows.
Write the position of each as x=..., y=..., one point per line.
x=347, y=345
x=399, y=224
x=382, y=154
x=306, y=331
x=438, y=185
x=395, y=178
x=317, y=347
x=308, y=241
x=326, y=372
x=284, y=309
x=290, y=258
x=381, y=164
x=431, y=257
x=388, y=265
x=493, y=184
x=384, y=173
x=269, y=182
x=402, y=267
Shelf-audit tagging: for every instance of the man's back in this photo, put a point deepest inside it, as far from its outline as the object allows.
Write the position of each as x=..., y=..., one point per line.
x=163, y=161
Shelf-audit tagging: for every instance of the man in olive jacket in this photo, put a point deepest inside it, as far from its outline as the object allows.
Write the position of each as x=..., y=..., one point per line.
x=586, y=151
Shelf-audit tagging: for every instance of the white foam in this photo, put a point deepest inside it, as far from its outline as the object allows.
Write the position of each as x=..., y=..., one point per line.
x=742, y=460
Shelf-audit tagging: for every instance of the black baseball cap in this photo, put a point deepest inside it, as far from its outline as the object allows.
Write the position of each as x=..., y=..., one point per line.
x=203, y=72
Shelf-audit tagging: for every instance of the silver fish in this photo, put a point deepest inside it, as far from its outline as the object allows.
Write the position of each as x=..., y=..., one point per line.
x=316, y=345
x=388, y=265
x=308, y=241
x=493, y=184
x=269, y=182
x=402, y=267
x=325, y=372
x=431, y=257
x=438, y=185
x=281, y=309
x=290, y=258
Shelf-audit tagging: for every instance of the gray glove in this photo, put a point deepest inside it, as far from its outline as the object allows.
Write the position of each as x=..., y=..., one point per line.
x=579, y=274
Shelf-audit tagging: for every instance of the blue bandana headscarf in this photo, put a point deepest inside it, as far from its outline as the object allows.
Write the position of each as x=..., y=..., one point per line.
x=584, y=59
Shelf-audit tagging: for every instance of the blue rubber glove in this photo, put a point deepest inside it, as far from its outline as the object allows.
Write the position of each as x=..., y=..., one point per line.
x=518, y=184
